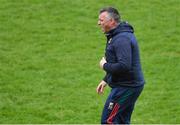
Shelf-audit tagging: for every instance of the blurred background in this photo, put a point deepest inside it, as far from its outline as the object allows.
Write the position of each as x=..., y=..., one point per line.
x=50, y=52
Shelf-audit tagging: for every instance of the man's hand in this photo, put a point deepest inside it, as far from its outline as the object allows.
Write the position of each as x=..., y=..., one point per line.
x=100, y=87
x=102, y=62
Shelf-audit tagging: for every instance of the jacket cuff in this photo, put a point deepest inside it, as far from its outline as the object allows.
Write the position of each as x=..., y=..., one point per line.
x=105, y=66
x=105, y=79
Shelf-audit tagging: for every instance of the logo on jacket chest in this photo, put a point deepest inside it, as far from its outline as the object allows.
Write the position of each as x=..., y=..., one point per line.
x=109, y=41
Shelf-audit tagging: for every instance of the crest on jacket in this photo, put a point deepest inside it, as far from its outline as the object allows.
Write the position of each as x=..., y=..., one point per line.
x=110, y=40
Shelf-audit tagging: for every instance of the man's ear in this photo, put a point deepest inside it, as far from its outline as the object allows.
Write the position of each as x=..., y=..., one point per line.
x=113, y=22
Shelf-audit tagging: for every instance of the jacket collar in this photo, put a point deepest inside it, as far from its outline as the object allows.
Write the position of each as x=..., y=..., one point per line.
x=122, y=27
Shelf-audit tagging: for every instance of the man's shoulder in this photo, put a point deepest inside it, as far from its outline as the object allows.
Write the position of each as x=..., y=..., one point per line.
x=125, y=36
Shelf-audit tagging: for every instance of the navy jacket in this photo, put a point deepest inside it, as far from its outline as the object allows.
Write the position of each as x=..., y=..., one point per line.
x=123, y=66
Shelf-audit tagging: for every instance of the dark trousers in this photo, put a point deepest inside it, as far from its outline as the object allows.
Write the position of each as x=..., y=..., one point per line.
x=120, y=104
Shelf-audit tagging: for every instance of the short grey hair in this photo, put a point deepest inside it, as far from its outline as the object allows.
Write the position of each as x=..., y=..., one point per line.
x=113, y=13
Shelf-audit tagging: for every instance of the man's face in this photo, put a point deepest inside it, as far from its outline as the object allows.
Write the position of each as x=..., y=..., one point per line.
x=105, y=22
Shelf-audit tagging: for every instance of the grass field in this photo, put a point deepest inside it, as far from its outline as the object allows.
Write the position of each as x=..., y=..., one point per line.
x=50, y=52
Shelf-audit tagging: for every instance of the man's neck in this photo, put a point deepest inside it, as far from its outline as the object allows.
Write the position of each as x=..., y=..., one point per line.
x=113, y=27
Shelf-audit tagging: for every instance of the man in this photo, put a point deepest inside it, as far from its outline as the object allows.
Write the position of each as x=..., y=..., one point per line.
x=122, y=66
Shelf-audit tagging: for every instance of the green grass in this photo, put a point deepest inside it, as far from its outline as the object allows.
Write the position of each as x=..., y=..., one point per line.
x=50, y=51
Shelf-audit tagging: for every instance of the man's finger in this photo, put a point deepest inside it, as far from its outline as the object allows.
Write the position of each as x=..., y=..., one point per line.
x=102, y=89
x=98, y=88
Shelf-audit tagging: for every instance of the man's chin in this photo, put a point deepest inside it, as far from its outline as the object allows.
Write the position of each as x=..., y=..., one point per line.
x=103, y=30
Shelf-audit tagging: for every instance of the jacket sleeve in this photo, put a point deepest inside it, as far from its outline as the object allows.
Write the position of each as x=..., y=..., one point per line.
x=123, y=52
x=105, y=78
